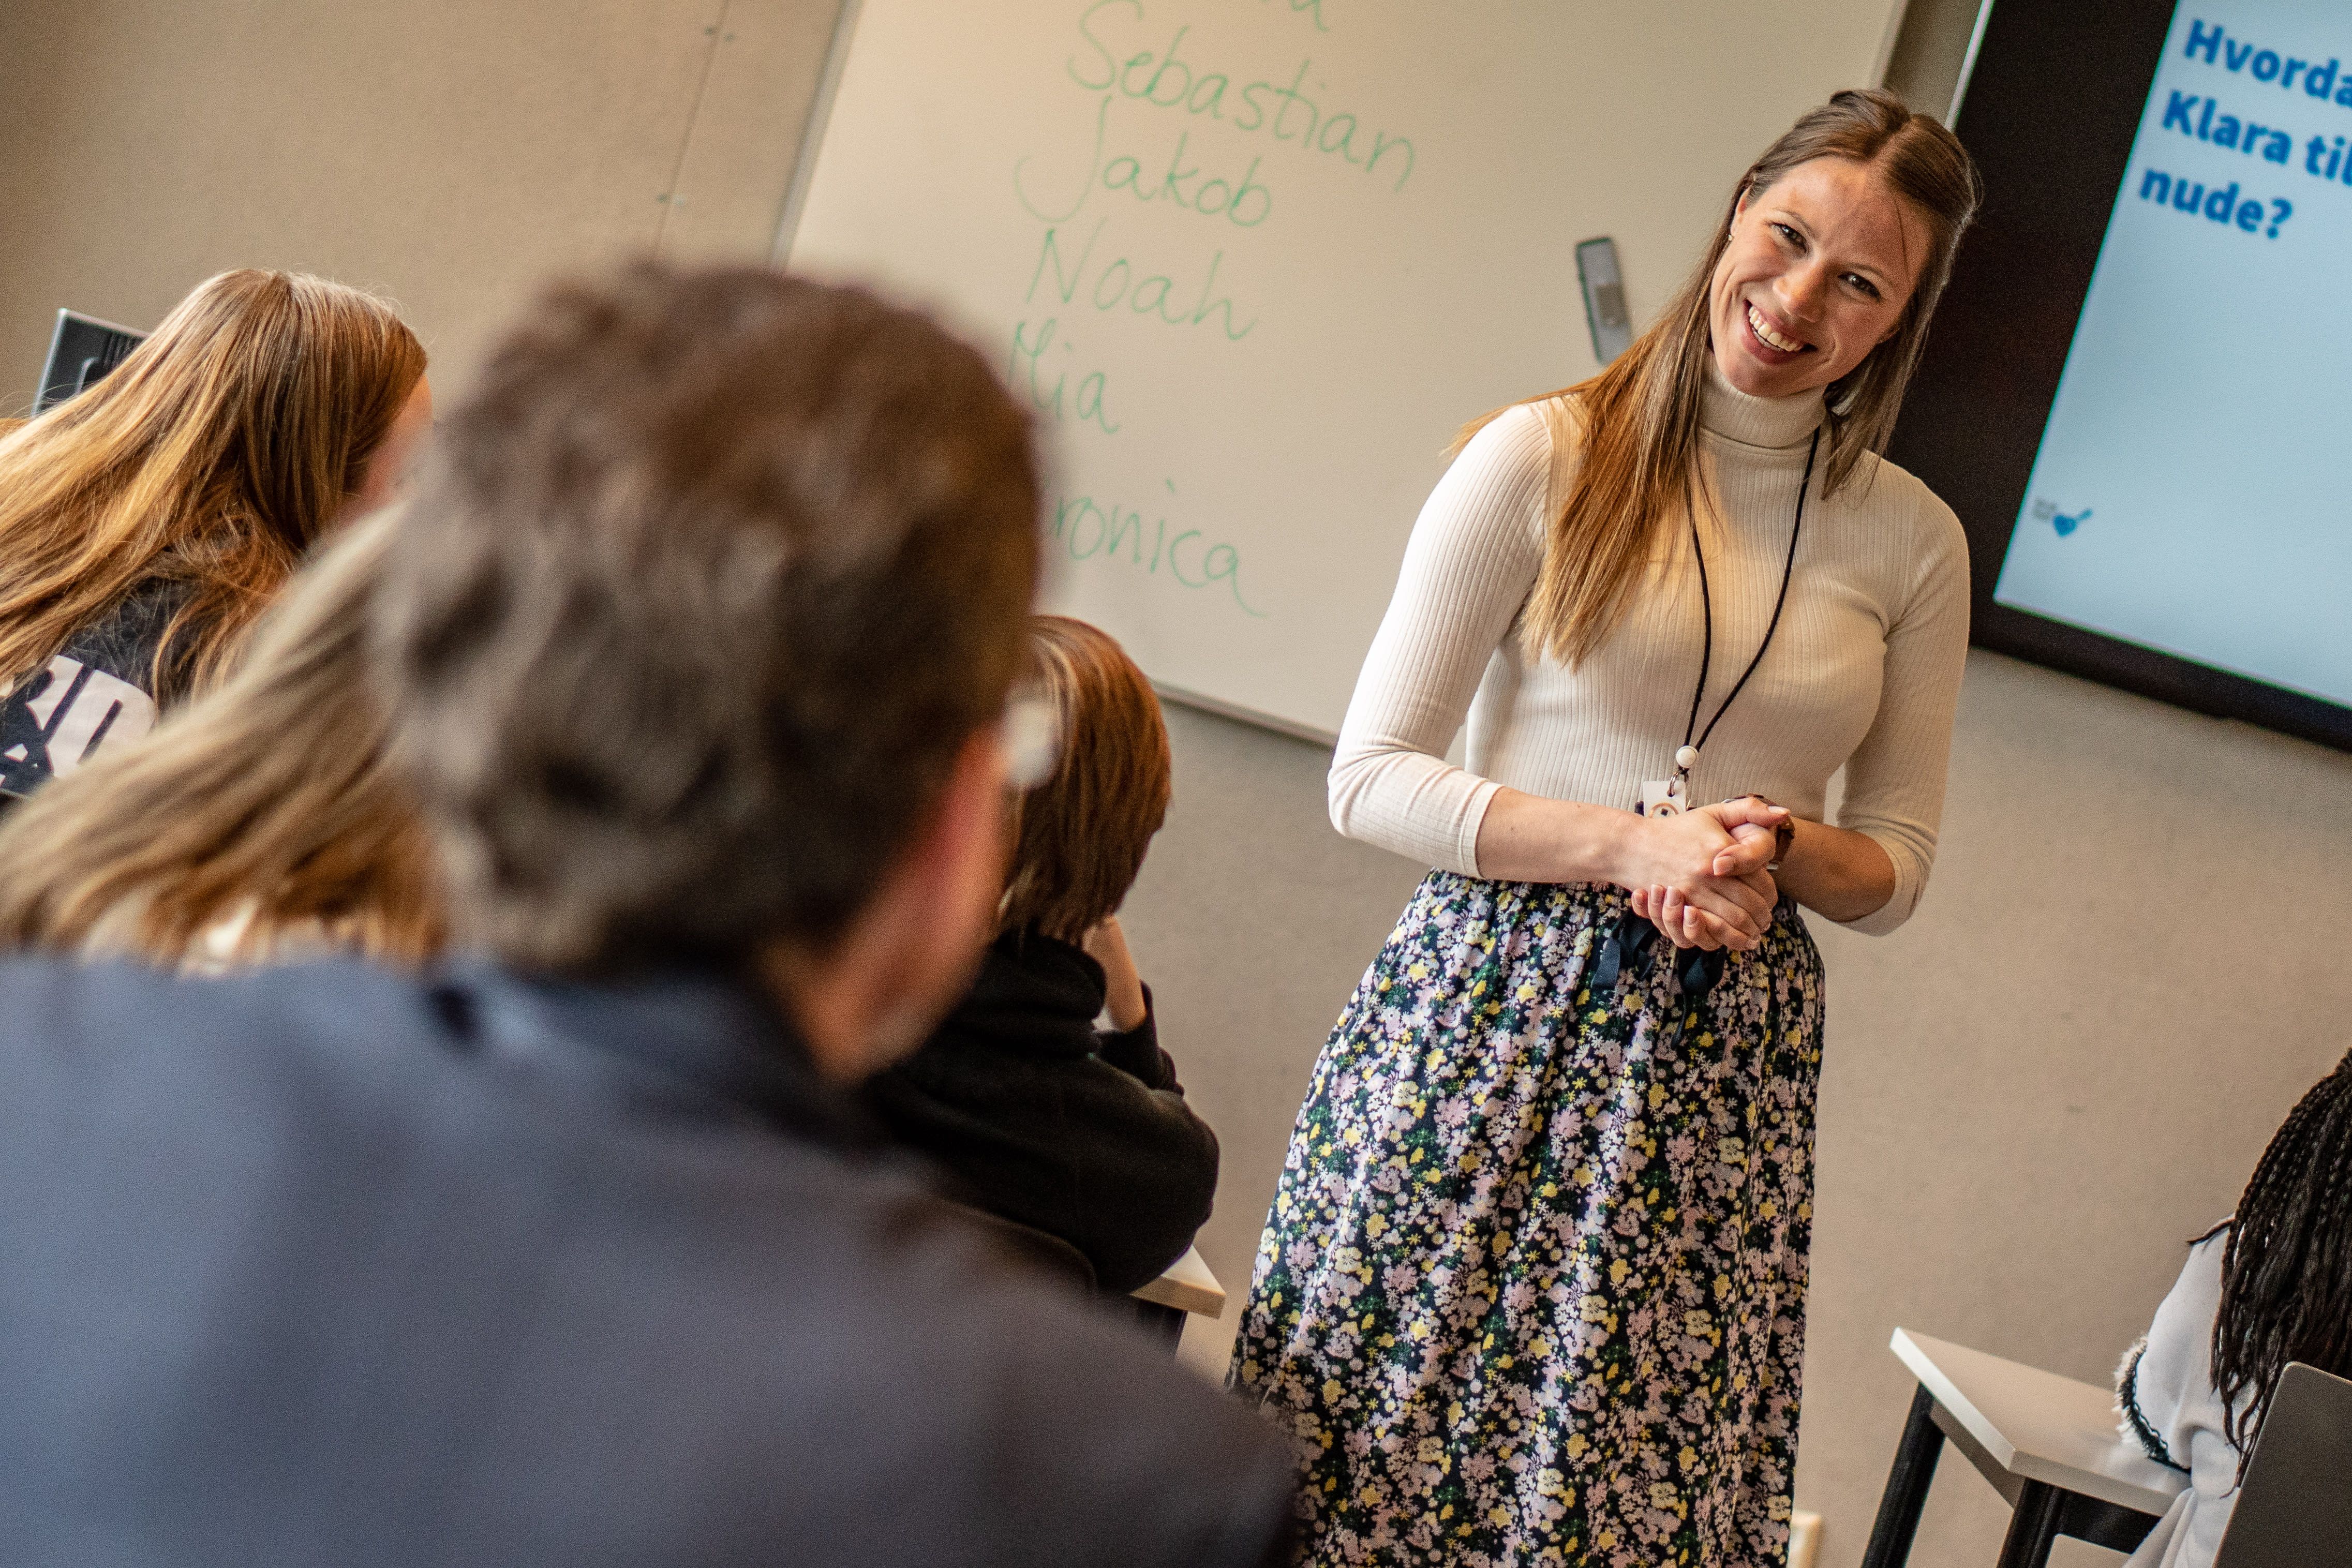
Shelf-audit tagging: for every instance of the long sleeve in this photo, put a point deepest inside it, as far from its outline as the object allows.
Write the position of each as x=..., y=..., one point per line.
x=1473, y=557
x=1136, y=1051
x=2166, y=1397
x=1894, y=780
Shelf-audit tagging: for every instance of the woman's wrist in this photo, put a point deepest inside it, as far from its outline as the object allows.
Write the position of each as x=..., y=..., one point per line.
x=1527, y=838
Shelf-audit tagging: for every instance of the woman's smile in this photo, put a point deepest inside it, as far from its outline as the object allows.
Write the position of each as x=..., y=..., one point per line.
x=1780, y=346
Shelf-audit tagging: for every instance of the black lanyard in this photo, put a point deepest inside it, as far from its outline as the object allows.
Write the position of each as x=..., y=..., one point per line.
x=1707, y=605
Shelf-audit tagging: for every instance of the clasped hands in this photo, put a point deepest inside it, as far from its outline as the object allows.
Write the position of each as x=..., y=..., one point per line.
x=1699, y=876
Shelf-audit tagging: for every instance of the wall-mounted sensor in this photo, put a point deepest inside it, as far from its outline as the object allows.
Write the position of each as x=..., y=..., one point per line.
x=1605, y=298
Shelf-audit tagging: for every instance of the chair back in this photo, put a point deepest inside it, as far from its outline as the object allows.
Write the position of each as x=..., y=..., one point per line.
x=2295, y=1509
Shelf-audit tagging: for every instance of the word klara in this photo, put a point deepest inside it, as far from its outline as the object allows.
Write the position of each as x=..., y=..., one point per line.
x=1115, y=284
x=2222, y=205
x=2193, y=115
x=1091, y=529
x=1245, y=205
x=1031, y=343
x=2196, y=116
x=2214, y=46
x=1166, y=81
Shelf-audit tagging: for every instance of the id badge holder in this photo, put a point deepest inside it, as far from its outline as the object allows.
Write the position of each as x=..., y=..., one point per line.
x=1662, y=798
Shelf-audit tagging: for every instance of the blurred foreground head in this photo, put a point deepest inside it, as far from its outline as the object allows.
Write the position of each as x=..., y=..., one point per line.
x=707, y=605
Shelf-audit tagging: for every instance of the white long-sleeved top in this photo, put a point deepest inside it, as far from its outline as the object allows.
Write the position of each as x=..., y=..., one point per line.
x=1863, y=673
x=2168, y=1379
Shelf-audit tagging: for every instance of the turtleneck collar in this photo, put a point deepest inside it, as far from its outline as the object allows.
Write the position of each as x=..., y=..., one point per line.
x=1766, y=422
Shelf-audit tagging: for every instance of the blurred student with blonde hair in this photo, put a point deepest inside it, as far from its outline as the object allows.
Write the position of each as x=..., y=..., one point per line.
x=1035, y=1114
x=147, y=522
x=260, y=822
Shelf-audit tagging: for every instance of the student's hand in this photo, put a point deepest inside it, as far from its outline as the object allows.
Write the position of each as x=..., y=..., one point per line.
x=1107, y=945
x=1670, y=867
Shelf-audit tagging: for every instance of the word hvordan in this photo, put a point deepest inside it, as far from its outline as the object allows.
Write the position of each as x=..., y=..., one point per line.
x=2325, y=80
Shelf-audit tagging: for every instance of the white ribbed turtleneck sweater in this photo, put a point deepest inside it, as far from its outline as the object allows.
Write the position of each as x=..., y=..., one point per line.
x=1863, y=673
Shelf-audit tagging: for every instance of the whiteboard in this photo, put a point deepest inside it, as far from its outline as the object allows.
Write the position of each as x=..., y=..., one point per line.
x=1253, y=262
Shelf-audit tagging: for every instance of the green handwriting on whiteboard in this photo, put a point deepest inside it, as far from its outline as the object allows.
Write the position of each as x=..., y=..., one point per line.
x=1032, y=341
x=1109, y=531
x=1244, y=202
x=1116, y=283
x=1167, y=79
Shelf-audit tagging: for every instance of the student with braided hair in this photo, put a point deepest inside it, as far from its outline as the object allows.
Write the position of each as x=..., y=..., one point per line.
x=2269, y=1285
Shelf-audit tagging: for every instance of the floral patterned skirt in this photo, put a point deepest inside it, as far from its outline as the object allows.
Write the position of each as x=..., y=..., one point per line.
x=1533, y=1287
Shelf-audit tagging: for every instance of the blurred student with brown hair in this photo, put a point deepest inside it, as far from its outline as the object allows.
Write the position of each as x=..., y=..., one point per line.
x=694, y=643
x=261, y=822
x=147, y=522
x=1036, y=1114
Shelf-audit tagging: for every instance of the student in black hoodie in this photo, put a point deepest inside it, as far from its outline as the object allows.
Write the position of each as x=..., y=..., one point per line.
x=1035, y=1113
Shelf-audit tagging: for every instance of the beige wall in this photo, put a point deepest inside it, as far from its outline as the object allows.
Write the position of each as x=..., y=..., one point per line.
x=449, y=153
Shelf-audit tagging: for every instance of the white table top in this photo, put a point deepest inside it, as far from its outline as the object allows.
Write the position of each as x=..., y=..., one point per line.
x=2039, y=1426
x=1187, y=1284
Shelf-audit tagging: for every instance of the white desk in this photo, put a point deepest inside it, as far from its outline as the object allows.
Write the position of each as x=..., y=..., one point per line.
x=1188, y=1286
x=2047, y=1443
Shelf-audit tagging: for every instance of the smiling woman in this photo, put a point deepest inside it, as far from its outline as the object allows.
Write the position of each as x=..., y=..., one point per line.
x=1533, y=1285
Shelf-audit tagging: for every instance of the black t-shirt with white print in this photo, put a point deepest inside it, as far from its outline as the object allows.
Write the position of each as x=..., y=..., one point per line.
x=94, y=695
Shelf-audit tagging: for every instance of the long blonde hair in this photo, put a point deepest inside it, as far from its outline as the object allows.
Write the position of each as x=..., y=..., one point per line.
x=269, y=797
x=213, y=456
x=1639, y=472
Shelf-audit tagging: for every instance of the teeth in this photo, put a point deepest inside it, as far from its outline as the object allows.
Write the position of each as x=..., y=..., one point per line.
x=1763, y=330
